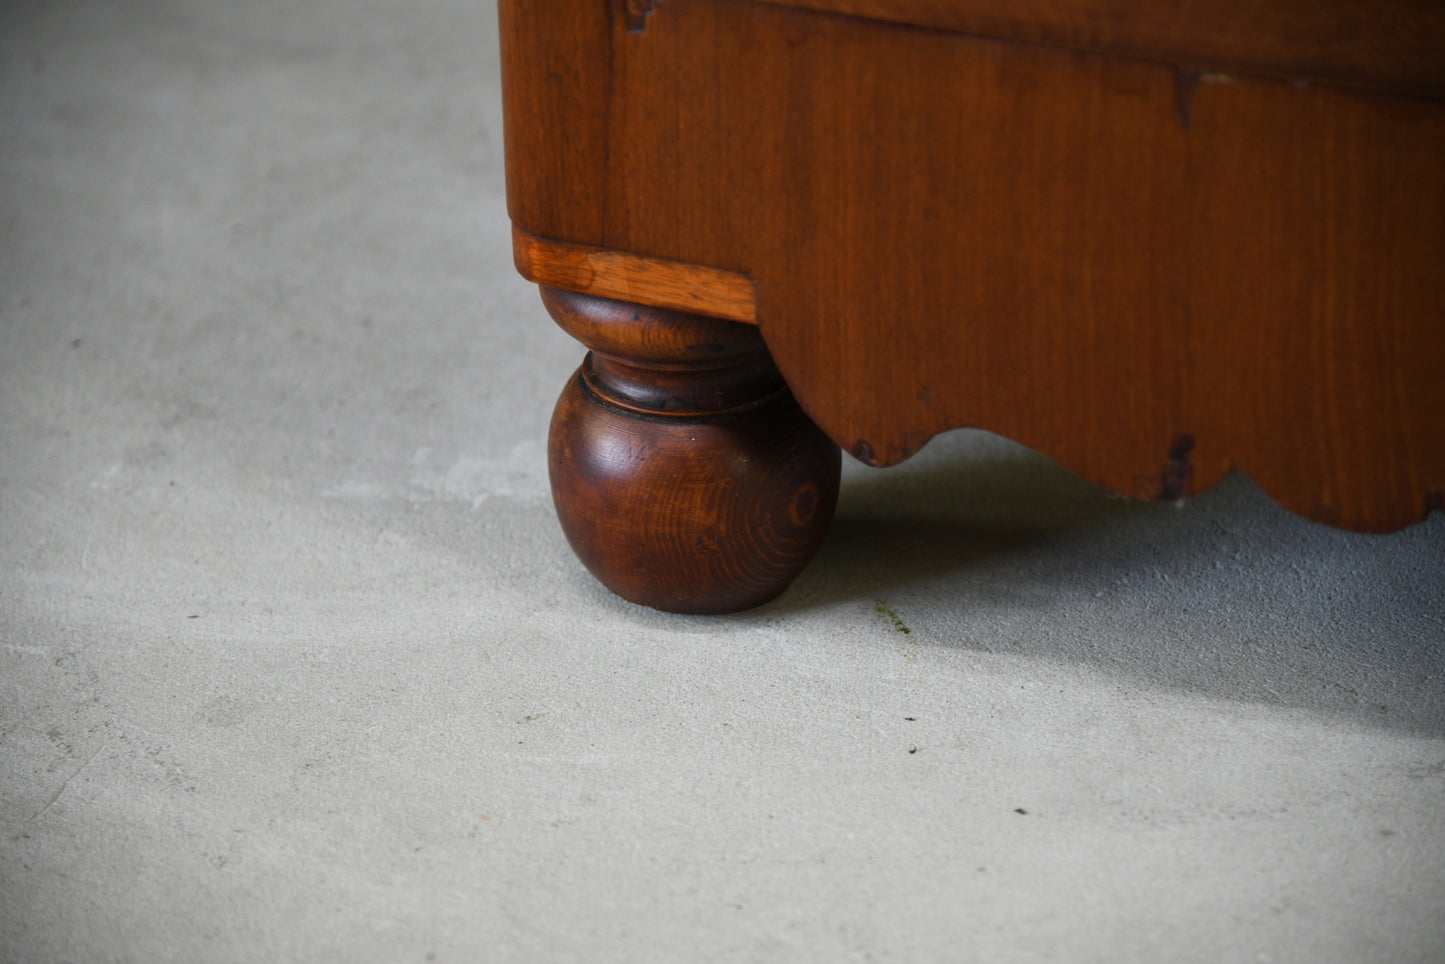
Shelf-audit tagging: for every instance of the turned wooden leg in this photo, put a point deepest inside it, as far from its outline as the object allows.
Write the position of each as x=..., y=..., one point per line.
x=684, y=474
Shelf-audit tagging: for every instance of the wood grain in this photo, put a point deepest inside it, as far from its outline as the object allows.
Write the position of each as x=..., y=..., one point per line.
x=685, y=476
x=636, y=278
x=556, y=60
x=1094, y=255
x=1389, y=44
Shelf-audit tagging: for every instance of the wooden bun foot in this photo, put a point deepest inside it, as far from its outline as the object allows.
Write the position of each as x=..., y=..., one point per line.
x=685, y=476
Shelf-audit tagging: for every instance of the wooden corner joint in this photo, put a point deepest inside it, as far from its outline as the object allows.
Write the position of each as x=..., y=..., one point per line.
x=623, y=276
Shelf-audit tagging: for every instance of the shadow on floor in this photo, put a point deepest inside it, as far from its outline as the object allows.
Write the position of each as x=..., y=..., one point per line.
x=979, y=544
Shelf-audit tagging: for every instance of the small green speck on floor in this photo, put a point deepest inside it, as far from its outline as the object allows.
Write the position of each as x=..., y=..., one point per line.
x=882, y=609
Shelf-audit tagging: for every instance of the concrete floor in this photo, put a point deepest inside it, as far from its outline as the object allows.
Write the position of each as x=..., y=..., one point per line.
x=295, y=664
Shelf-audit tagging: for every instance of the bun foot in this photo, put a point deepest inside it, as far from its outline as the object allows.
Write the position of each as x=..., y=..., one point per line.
x=685, y=476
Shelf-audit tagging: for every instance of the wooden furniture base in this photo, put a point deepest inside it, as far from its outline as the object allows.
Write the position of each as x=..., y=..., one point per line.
x=1155, y=242
x=684, y=474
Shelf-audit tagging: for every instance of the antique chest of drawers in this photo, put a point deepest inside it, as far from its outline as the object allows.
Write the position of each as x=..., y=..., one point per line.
x=1156, y=242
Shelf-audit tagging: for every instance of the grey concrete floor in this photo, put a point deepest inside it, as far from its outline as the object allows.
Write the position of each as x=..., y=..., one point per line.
x=295, y=664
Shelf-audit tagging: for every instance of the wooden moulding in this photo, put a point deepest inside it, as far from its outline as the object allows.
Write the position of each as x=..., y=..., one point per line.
x=635, y=278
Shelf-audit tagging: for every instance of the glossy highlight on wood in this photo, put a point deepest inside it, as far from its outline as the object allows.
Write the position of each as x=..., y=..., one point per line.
x=684, y=475
x=632, y=277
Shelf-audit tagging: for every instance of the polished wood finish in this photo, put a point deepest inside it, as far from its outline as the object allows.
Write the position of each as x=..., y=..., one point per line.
x=1150, y=271
x=684, y=475
x=632, y=277
x=1391, y=44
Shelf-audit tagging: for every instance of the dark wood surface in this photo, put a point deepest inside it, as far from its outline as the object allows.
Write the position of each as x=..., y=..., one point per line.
x=1391, y=44
x=685, y=476
x=1150, y=274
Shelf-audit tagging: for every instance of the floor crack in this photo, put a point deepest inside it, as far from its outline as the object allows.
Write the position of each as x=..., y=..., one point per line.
x=69, y=780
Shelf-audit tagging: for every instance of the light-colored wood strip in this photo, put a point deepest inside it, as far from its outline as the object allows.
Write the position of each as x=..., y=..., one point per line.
x=632, y=277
